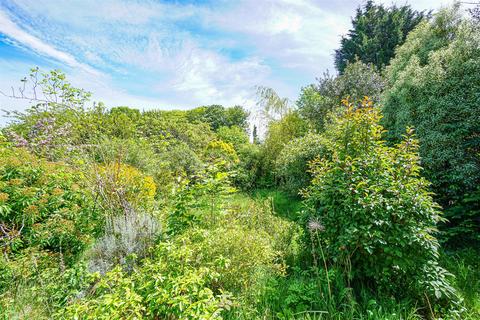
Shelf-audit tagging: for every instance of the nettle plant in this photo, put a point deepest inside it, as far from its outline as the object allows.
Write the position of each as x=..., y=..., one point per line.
x=377, y=216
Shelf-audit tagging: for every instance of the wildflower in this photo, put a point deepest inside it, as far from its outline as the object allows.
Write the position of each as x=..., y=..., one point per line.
x=57, y=191
x=17, y=139
x=15, y=182
x=314, y=225
x=32, y=209
x=3, y=196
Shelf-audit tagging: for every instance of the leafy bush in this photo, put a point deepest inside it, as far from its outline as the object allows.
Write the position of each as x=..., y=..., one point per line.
x=321, y=102
x=434, y=82
x=249, y=167
x=163, y=165
x=234, y=135
x=33, y=284
x=221, y=153
x=126, y=239
x=198, y=199
x=248, y=239
x=115, y=298
x=123, y=187
x=45, y=138
x=291, y=165
x=44, y=204
x=375, y=213
x=279, y=133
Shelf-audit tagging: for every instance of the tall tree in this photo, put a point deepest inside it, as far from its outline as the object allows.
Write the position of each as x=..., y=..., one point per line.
x=375, y=34
x=434, y=81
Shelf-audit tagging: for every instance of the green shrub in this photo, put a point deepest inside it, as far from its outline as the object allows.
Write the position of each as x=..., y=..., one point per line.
x=126, y=240
x=121, y=187
x=115, y=298
x=434, y=82
x=45, y=204
x=291, y=165
x=279, y=133
x=167, y=286
x=249, y=167
x=234, y=135
x=319, y=103
x=374, y=212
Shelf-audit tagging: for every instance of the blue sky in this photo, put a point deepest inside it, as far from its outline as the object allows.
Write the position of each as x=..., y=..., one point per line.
x=175, y=54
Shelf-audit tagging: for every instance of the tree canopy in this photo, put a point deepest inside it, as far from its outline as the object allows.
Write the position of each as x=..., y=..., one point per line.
x=434, y=82
x=376, y=32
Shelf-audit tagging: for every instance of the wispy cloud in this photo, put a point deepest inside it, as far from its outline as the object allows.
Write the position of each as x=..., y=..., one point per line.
x=10, y=29
x=181, y=53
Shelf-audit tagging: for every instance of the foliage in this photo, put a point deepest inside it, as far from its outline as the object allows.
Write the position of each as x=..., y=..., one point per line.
x=272, y=106
x=374, y=212
x=162, y=165
x=434, y=84
x=283, y=204
x=206, y=189
x=234, y=135
x=165, y=286
x=221, y=153
x=319, y=103
x=291, y=165
x=248, y=170
x=279, y=133
x=47, y=219
x=33, y=285
x=218, y=116
x=42, y=204
x=122, y=187
x=376, y=32
x=45, y=138
x=189, y=276
x=126, y=239
x=464, y=264
x=475, y=13
x=127, y=214
x=117, y=299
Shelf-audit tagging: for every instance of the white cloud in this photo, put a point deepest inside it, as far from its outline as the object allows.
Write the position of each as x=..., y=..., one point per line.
x=296, y=34
x=149, y=53
x=10, y=29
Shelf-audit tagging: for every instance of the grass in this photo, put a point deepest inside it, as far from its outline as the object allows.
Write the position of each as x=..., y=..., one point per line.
x=284, y=205
x=279, y=297
x=464, y=264
x=301, y=294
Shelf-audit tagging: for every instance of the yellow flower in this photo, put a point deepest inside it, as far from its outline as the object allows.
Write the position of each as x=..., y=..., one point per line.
x=15, y=182
x=138, y=188
x=32, y=209
x=3, y=196
x=57, y=191
x=29, y=191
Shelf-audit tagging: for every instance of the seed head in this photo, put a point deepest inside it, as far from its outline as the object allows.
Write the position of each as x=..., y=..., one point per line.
x=314, y=225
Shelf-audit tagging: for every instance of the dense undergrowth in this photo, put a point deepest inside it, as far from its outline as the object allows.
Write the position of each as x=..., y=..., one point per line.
x=335, y=214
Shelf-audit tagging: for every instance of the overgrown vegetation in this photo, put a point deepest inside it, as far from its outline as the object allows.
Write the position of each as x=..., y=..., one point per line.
x=361, y=201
